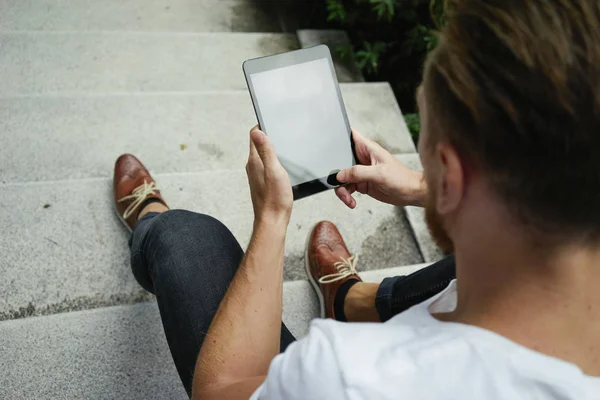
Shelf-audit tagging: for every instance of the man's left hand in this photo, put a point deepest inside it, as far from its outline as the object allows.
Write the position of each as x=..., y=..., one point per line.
x=270, y=185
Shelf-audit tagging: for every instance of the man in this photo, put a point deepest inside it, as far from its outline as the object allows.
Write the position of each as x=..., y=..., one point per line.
x=510, y=144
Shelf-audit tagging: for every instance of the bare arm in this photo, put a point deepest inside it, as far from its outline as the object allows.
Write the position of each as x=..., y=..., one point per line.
x=245, y=332
x=244, y=335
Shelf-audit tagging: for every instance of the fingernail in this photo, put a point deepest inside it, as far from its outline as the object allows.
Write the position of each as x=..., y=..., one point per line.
x=341, y=176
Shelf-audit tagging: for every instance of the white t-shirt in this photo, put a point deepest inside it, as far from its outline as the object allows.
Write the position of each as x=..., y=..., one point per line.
x=415, y=356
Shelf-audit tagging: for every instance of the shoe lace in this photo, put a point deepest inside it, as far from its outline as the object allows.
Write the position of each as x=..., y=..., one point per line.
x=345, y=268
x=138, y=196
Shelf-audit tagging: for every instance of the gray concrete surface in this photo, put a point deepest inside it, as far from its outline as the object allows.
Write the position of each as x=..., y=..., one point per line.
x=87, y=62
x=110, y=353
x=138, y=15
x=347, y=70
x=67, y=137
x=85, y=81
x=429, y=249
x=116, y=352
x=411, y=160
x=416, y=217
x=64, y=248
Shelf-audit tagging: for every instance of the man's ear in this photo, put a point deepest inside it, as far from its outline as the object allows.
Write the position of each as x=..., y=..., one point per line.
x=451, y=179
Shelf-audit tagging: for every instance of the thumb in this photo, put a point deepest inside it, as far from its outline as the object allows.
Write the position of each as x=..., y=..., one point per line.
x=264, y=148
x=358, y=174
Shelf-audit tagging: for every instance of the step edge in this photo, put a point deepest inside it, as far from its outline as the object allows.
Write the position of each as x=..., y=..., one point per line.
x=384, y=86
x=78, y=33
x=366, y=275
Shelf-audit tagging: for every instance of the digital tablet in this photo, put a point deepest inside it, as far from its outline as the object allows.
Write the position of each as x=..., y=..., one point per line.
x=299, y=105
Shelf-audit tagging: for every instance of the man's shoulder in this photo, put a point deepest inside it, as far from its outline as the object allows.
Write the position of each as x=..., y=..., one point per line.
x=419, y=357
x=417, y=352
x=397, y=339
x=413, y=325
x=393, y=357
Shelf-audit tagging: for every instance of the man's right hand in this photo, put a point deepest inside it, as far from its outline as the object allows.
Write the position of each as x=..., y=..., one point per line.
x=381, y=176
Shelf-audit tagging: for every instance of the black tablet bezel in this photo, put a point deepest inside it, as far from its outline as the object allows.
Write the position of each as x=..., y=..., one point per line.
x=268, y=63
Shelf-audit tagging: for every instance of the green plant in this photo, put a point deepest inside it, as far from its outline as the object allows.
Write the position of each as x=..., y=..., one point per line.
x=336, y=11
x=391, y=39
x=385, y=9
x=413, y=122
x=368, y=57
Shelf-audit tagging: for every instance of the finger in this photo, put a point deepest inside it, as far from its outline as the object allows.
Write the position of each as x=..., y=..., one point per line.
x=356, y=135
x=253, y=152
x=264, y=148
x=366, y=146
x=359, y=139
x=351, y=188
x=253, y=156
x=362, y=187
x=345, y=196
x=358, y=173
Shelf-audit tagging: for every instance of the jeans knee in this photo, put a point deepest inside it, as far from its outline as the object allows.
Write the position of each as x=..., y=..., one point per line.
x=181, y=233
x=183, y=243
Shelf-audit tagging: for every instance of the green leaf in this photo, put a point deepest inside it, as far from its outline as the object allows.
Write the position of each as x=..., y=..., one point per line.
x=413, y=122
x=336, y=11
x=437, y=10
x=384, y=8
x=431, y=39
x=419, y=40
x=345, y=51
x=368, y=56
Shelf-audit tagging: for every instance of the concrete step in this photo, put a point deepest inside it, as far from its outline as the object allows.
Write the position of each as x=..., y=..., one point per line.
x=76, y=136
x=416, y=217
x=64, y=248
x=115, y=352
x=346, y=70
x=87, y=62
x=139, y=15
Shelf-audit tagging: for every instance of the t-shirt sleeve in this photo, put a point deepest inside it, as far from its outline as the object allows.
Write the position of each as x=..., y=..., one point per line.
x=308, y=369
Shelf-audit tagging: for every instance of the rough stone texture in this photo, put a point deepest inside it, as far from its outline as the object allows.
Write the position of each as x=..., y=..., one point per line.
x=116, y=352
x=346, y=70
x=412, y=161
x=138, y=15
x=66, y=137
x=139, y=76
x=85, y=62
x=64, y=248
x=416, y=217
x=429, y=250
x=110, y=353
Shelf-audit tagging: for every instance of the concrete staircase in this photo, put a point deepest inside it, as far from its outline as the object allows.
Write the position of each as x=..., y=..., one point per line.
x=83, y=81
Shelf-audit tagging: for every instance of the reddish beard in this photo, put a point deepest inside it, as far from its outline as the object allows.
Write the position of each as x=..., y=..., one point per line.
x=436, y=225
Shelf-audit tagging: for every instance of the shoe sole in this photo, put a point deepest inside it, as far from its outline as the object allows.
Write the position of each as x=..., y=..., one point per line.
x=121, y=218
x=313, y=282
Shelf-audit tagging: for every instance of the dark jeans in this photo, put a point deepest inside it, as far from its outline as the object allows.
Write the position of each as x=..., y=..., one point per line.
x=188, y=261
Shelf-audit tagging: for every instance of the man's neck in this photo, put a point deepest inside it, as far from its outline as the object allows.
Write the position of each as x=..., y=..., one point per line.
x=549, y=304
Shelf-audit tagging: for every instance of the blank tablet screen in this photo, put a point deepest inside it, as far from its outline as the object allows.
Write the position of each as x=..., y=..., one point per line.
x=304, y=118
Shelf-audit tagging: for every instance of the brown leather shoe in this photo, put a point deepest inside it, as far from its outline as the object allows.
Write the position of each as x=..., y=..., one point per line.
x=132, y=186
x=328, y=264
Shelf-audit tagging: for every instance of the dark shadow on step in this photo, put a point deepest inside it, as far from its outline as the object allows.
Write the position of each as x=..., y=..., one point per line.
x=391, y=245
x=291, y=15
x=255, y=16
